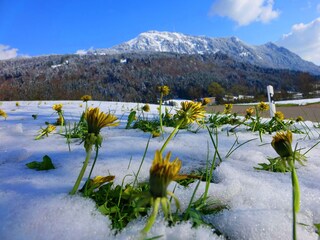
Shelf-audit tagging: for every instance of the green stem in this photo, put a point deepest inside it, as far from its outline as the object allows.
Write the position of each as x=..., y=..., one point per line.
x=83, y=169
x=144, y=155
x=295, y=197
x=153, y=216
x=171, y=136
x=94, y=162
x=160, y=113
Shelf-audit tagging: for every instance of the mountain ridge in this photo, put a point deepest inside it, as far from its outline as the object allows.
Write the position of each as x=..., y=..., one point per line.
x=266, y=55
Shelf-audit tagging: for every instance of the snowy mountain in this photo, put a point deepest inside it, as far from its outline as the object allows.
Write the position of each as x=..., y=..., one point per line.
x=267, y=55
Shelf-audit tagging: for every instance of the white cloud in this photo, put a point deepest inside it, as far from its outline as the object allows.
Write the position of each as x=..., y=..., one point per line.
x=304, y=39
x=6, y=52
x=245, y=12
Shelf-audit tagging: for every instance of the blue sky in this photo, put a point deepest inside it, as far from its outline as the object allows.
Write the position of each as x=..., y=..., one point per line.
x=39, y=27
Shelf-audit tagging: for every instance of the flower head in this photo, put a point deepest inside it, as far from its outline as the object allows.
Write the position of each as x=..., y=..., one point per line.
x=97, y=120
x=57, y=107
x=164, y=90
x=190, y=112
x=281, y=143
x=249, y=112
x=262, y=106
x=162, y=172
x=146, y=108
x=279, y=115
x=227, y=108
x=86, y=98
x=3, y=114
x=205, y=101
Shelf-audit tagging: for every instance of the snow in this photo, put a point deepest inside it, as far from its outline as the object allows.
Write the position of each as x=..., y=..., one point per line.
x=300, y=101
x=36, y=204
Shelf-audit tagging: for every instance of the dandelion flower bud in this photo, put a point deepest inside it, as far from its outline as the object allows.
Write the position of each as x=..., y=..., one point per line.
x=146, y=108
x=282, y=142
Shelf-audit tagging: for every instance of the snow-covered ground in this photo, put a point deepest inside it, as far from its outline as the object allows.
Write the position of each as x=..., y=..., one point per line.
x=36, y=204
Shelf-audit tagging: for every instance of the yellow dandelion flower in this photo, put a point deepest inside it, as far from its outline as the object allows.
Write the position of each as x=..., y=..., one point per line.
x=57, y=107
x=3, y=114
x=162, y=172
x=299, y=119
x=164, y=90
x=279, y=115
x=227, y=108
x=146, y=108
x=86, y=98
x=17, y=104
x=249, y=112
x=97, y=120
x=262, y=106
x=190, y=112
x=282, y=143
x=205, y=101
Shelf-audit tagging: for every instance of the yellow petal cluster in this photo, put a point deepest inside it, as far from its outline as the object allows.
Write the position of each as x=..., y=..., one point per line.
x=57, y=107
x=249, y=112
x=262, y=106
x=205, y=101
x=227, y=108
x=86, y=98
x=3, y=113
x=97, y=120
x=164, y=90
x=279, y=115
x=191, y=112
x=162, y=172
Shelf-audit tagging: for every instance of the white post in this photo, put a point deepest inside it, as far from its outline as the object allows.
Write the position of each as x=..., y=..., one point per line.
x=272, y=105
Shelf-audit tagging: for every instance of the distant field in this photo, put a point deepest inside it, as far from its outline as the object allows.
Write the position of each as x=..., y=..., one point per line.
x=309, y=112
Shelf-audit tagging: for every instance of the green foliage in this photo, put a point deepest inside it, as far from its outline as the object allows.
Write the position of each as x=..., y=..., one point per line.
x=275, y=165
x=46, y=164
x=121, y=203
x=147, y=125
x=131, y=118
x=317, y=225
x=218, y=119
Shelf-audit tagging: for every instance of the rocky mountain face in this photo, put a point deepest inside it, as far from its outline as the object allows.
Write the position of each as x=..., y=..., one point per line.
x=268, y=55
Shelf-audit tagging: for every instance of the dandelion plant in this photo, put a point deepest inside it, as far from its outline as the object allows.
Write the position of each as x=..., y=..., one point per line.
x=282, y=144
x=162, y=172
x=95, y=120
x=164, y=91
x=188, y=113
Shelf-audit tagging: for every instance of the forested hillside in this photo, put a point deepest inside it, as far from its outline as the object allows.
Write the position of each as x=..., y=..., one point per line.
x=134, y=77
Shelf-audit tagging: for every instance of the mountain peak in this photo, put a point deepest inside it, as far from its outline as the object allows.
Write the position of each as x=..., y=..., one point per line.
x=267, y=55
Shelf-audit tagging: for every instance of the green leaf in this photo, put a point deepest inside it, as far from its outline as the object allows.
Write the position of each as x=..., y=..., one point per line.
x=46, y=164
x=317, y=225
